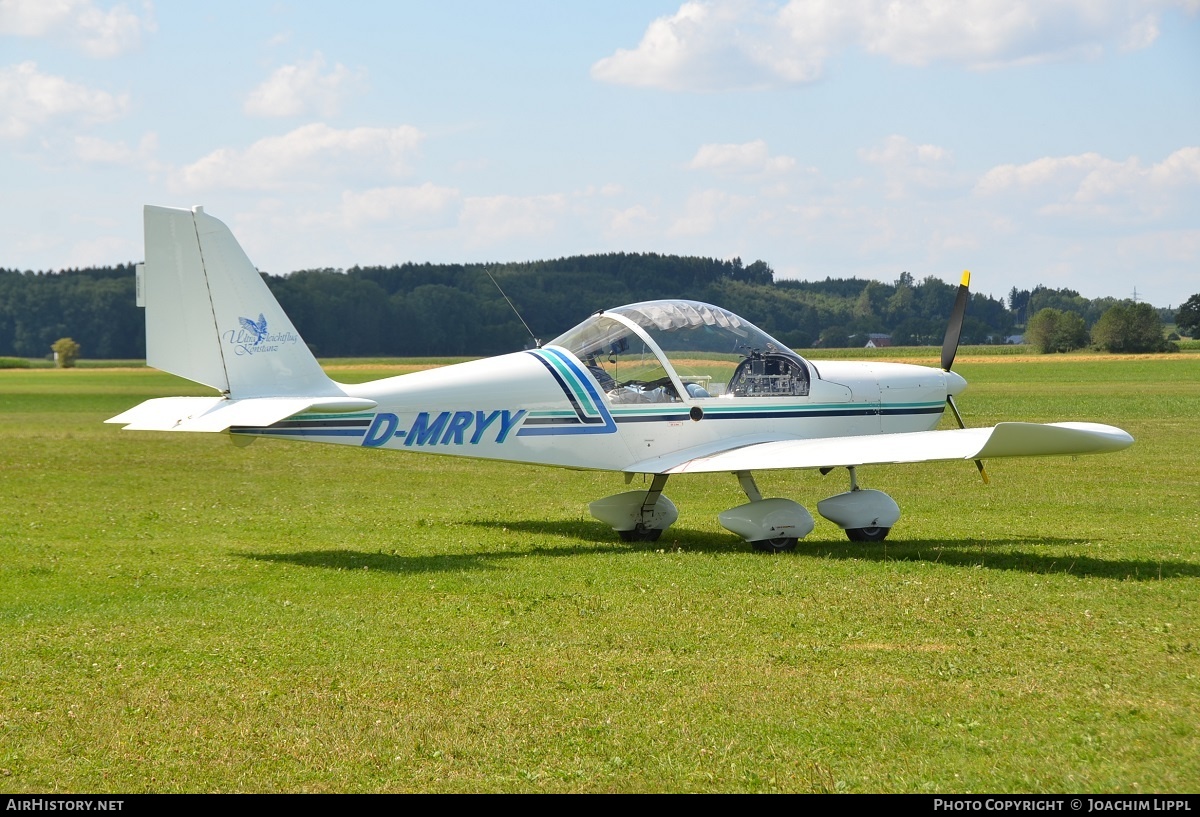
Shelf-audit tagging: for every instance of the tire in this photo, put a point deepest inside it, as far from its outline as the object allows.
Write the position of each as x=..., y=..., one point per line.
x=867, y=534
x=780, y=544
x=640, y=535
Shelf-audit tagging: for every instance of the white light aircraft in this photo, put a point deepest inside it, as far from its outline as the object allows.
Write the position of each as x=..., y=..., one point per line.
x=623, y=391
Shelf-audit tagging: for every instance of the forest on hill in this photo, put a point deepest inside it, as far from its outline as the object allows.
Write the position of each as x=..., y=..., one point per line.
x=458, y=309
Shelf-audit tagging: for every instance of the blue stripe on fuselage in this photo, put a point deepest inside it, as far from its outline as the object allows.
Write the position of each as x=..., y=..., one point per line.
x=572, y=382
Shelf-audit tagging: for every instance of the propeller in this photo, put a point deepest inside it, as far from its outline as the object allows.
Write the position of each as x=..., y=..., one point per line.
x=950, y=349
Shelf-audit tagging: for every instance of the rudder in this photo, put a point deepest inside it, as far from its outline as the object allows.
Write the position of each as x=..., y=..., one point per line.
x=211, y=318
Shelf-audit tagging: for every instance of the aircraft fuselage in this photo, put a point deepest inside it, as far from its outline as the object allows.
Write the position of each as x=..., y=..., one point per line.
x=544, y=406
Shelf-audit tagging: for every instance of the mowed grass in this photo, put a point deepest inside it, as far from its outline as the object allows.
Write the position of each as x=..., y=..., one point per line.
x=179, y=614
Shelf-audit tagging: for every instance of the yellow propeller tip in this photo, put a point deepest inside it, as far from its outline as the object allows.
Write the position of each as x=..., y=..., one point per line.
x=966, y=279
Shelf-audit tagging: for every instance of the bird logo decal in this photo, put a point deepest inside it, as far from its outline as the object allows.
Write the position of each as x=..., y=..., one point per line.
x=258, y=329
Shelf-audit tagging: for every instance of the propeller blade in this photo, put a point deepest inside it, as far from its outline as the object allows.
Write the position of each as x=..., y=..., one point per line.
x=961, y=424
x=954, y=328
x=950, y=349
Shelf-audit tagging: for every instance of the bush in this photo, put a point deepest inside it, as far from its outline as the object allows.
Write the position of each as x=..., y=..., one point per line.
x=1136, y=328
x=13, y=363
x=1053, y=330
x=66, y=352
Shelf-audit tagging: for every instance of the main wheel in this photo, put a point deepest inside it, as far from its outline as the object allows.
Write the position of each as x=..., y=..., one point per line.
x=867, y=534
x=640, y=534
x=779, y=544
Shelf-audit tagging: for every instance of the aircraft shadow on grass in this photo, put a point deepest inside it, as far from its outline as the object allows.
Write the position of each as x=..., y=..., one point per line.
x=993, y=554
x=397, y=563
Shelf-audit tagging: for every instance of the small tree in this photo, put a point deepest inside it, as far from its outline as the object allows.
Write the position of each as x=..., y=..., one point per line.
x=1135, y=328
x=66, y=351
x=835, y=337
x=1187, y=317
x=1053, y=330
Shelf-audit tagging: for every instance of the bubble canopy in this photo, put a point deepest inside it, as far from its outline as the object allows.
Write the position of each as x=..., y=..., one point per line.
x=679, y=347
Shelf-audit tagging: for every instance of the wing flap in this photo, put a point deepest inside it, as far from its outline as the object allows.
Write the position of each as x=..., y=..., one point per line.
x=1004, y=440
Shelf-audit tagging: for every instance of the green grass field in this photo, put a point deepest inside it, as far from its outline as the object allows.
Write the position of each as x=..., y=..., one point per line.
x=179, y=614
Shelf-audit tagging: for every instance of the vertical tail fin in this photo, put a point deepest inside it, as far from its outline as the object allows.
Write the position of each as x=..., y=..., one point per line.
x=211, y=318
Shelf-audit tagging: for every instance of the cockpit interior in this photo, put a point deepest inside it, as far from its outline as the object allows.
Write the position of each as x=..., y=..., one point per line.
x=682, y=351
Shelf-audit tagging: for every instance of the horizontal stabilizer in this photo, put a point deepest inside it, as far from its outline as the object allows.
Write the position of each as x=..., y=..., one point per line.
x=215, y=414
x=1003, y=440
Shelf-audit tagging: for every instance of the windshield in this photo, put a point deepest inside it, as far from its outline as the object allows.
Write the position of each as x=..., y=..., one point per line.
x=712, y=351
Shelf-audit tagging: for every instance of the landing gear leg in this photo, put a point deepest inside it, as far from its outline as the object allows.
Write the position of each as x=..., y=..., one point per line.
x=749, y=486
x=641, y=531
x=638, y=516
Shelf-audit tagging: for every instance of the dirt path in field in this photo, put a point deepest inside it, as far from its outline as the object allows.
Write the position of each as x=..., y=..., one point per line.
x=1072, y=358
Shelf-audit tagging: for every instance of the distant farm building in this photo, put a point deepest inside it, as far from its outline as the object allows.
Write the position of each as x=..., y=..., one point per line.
x=877, y=341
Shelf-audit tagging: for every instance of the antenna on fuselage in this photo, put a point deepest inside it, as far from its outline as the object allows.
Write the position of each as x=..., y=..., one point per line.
x=537, y=342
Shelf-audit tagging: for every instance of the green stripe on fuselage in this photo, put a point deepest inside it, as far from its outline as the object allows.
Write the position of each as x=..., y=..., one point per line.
x=573, y=381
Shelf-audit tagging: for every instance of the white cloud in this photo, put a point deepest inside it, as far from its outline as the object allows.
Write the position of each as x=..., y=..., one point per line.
x=304, y=157
x=405, y=207
x=726, y=44
x=988, y=32
x=491, y=219
x=705, y=210
x=102, y=250
x=711, y=46
x=1042, y=171
x=97, y=32
x=908, y=166
x=93, y=150
x=748, y=158
x=1180, y=168
x=898, y=150
x=302, y=88
x=30, y=99
x=1091, y=185
x=634, y=220
x=1173, y=246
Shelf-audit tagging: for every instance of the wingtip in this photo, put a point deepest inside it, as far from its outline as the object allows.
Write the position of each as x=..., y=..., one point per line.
x=966, y=279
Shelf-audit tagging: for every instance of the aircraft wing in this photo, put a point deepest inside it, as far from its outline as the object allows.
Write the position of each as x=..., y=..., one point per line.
x=1003, y=440
x=219, y=413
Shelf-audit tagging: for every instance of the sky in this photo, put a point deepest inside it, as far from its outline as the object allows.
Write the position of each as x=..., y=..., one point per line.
x=1052, y=142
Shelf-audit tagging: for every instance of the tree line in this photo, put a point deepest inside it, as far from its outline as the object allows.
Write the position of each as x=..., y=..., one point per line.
x=461, y=309
x=1062, y=322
